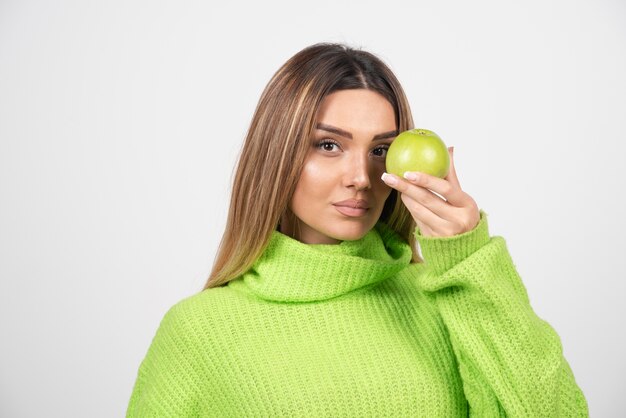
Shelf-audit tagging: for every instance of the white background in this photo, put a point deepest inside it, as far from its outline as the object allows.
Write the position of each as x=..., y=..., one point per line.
x=120, y=125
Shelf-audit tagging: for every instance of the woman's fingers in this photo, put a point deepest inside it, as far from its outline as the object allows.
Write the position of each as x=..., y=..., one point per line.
x=429, y=222
x=449, y=190
x=424, y=205
x=426, y=185
x=423, y=196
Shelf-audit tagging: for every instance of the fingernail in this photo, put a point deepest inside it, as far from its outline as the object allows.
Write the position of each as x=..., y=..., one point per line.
x=411, y=176
x=389, y=179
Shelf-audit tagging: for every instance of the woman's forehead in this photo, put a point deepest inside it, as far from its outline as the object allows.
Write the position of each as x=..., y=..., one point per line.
x=357, y=112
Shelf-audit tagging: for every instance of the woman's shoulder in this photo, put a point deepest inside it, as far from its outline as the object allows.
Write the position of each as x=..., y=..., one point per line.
x=199, y=319
x=207, y=299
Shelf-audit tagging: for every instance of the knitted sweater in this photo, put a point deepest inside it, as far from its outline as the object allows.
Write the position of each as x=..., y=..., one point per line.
x=355, y=329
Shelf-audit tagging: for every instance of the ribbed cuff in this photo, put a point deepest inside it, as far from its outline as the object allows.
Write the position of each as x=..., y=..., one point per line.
x=442, y=253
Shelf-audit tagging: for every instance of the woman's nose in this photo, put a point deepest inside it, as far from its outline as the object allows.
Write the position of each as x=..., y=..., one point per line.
x=358, y=174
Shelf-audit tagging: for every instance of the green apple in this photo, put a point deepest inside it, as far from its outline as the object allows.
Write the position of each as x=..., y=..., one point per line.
x=418, y=150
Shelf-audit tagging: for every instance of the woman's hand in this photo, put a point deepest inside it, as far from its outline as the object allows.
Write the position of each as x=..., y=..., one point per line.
x=435, y=216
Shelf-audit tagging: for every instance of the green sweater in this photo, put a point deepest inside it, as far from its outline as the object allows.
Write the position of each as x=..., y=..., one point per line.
x=355, y=329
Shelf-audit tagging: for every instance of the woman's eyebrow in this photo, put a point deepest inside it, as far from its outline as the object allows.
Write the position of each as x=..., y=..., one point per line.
x=348, y=135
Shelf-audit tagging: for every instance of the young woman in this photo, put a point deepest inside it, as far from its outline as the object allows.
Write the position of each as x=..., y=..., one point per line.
x=319, y=303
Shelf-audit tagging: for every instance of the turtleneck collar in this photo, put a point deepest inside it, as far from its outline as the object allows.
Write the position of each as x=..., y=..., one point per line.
x=292, y=271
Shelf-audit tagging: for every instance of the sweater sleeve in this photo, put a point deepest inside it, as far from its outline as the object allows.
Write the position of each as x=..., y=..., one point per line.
x=168, y=382
x=511, y=361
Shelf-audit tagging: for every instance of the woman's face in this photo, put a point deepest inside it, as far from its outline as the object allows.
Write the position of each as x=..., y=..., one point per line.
x=340, y=194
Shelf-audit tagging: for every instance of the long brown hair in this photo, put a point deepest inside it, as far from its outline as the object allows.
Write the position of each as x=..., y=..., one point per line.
x=276, y=145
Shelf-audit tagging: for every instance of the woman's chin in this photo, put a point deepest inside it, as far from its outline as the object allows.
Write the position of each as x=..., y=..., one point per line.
x=351, y=232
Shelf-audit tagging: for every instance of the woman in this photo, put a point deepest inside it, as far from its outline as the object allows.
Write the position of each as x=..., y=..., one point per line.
x=319, y=303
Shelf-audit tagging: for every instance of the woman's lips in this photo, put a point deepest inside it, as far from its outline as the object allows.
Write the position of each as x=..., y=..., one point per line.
x=352, y=212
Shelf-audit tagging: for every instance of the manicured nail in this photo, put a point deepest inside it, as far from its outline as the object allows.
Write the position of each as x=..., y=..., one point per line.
x=389, y=179
x=411, y=176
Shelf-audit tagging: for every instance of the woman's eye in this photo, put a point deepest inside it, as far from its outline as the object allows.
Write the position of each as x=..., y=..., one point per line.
x=381, y=151
x=327, y=145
